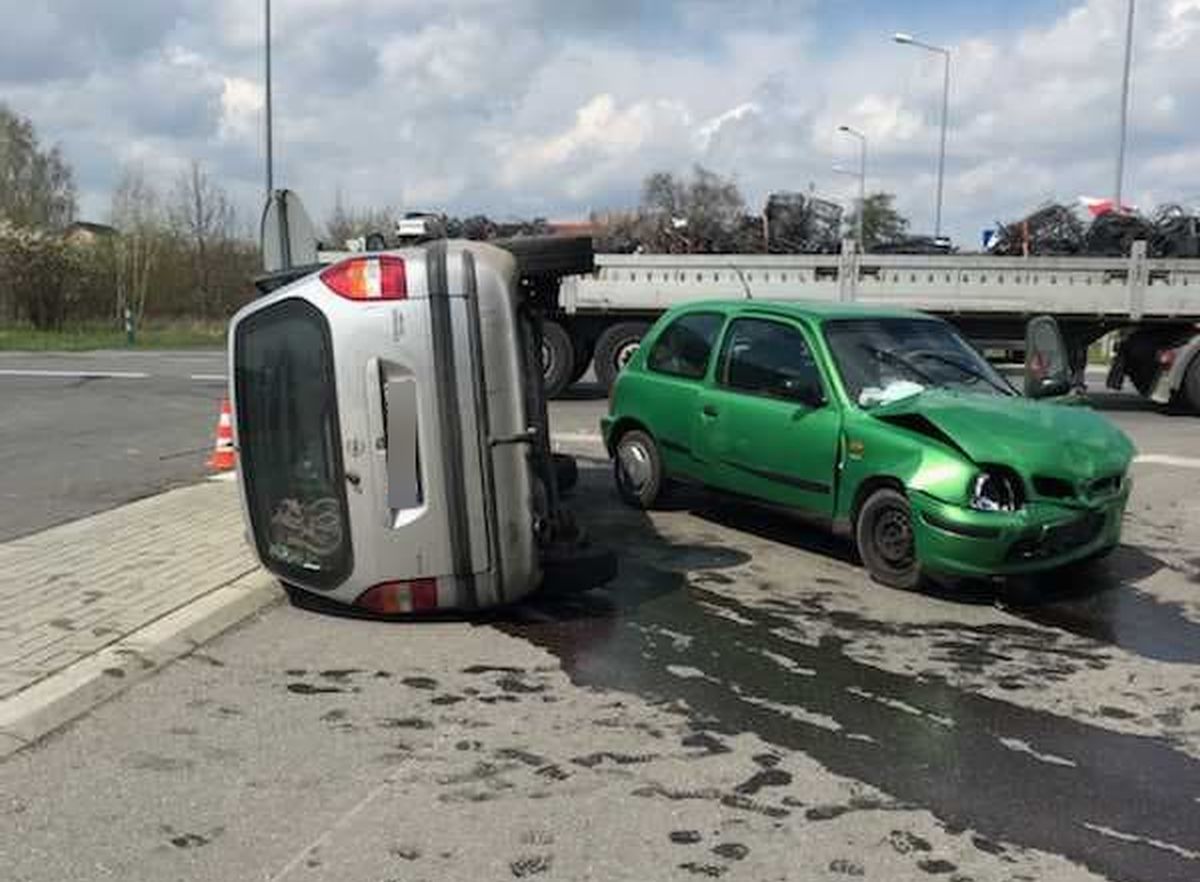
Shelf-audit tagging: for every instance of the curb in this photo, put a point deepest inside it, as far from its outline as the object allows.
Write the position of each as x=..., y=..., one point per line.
x=73, y=691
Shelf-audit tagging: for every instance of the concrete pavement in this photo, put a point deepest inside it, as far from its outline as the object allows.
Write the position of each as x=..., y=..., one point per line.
x=89, y=607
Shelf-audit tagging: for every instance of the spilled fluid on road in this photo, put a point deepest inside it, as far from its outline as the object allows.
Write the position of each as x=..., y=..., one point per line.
x=1123, y=805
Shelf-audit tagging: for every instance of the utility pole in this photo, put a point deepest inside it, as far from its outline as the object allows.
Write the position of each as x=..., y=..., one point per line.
x=1124, y=108
x=270, y=138
x=862, y=182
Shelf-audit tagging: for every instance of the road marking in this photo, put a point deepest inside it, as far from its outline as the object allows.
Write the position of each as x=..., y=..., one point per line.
x=204, y=378
x=1183, y=462
x=333, y=828
x=75, y=375
x=576, y=437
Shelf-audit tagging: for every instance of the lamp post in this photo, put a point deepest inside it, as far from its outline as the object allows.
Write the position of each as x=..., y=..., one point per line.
x=862, y=181
x=1124, y=108
x=910, y=40
x=267, y=91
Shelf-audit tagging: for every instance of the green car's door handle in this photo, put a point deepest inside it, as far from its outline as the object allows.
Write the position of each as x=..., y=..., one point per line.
x=709, y=411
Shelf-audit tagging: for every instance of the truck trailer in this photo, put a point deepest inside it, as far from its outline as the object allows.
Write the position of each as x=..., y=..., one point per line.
x=1154, y=304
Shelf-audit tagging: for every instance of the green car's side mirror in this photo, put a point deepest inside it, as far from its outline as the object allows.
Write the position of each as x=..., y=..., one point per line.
x=1047, y=368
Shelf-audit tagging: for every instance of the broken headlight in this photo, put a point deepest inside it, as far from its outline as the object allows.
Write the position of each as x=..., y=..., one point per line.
x=996, y=491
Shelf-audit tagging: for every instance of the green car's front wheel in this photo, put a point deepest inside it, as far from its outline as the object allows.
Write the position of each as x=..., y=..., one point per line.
x=884, y=535
x=637, y=467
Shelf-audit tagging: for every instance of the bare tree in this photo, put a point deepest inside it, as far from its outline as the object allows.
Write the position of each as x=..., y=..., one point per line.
x=202, y=216
x=137, y=214
x=37, y=188
x=346, y=223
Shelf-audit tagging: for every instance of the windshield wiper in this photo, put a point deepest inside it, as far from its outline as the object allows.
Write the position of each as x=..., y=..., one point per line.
x=966, y=369
x=884, y=355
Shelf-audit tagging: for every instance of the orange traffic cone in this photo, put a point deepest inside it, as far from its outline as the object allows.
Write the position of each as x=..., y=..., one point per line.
x=223, y=453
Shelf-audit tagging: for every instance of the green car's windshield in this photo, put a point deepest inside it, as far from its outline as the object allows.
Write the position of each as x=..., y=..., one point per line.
x=885, y=359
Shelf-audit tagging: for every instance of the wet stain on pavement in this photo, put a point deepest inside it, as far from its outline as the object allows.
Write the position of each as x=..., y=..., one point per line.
x=962, y=772
x=311, y=689
x=1108, y=609
x=711, y=871
x=709, y=744
x=424, y=683
x=731, y=851
x=405, y=723
x=765, y=778
x=531, y=865
x=845, y=867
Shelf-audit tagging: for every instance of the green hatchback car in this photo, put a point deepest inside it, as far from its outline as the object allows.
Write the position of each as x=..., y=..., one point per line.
x=884, y=425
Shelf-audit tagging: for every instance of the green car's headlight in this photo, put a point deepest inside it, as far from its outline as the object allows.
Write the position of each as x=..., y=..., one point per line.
x=996, y=490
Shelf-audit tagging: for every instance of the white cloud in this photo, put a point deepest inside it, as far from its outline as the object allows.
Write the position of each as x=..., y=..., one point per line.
x=553, y=106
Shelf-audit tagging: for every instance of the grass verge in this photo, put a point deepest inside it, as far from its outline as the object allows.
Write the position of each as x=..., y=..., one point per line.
x=154, y=335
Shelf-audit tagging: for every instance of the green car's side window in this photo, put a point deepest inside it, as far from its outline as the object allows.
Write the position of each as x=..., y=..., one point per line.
x=763, y=357
x=683, y=349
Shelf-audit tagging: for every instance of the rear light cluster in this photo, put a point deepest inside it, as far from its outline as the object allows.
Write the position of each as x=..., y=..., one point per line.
x=390, y=598
x=368, y=278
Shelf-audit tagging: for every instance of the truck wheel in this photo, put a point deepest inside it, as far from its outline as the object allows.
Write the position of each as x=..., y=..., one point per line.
x=583, y=359
x=558, y=358
x=615, y=347
x=637, y=468
x=1191, y=384
x=884, y=535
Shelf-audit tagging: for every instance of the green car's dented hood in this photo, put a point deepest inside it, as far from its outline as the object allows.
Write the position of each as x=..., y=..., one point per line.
x=1032, y=437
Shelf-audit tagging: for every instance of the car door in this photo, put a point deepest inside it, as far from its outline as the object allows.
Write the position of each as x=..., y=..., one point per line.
x=675, y=369
x=764, y=426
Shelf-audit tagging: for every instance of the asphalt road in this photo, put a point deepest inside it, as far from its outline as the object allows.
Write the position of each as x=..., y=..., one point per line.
x=81, y=433
x=741, y=703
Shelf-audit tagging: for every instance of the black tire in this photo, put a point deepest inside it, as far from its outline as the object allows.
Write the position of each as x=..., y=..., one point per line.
x=884, y=535
x=1191, y=385
x=614, y=348
x=583, y=359
x=637, y=469
x=558, y=358
x=566, y=471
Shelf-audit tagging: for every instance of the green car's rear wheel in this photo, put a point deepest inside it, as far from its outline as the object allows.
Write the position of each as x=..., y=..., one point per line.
x=637, y=468
x=884, y=536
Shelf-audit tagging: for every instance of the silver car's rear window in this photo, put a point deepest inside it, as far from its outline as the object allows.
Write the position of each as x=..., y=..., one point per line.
x=290, y=443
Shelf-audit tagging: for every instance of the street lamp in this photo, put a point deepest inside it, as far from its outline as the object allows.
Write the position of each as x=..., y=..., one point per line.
x=862, y=181
x=1124, y=107
x=267, y=90
x=910, y=40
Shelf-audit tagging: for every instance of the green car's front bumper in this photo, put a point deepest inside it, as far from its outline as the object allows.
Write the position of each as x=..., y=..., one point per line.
x=960, y=541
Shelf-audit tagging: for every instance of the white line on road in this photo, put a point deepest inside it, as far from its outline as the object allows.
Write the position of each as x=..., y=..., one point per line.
x=1183, y=462
x=577, y=437
x=333, y=828
x=75, y=375
x=204, y=378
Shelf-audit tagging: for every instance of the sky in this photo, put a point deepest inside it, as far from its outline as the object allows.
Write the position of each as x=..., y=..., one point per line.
x=554, y=108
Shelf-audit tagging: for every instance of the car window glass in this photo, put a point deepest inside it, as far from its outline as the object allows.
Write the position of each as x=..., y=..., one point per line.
x=769, y=358
x=683, y=348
